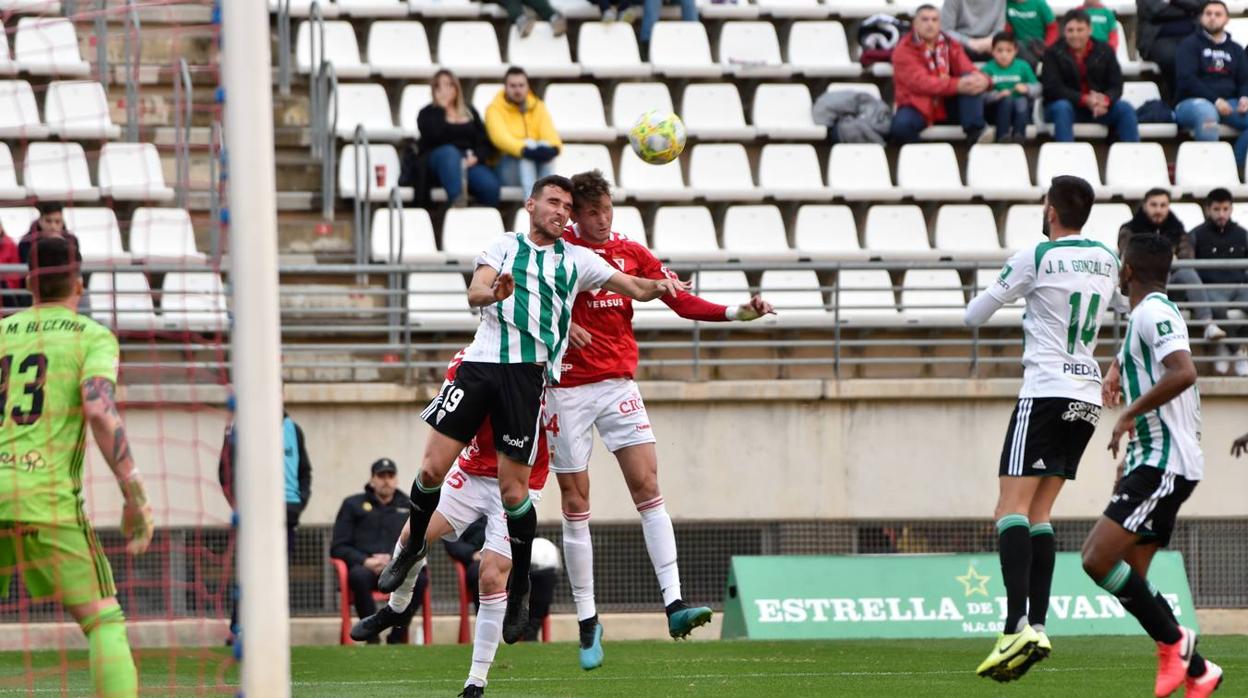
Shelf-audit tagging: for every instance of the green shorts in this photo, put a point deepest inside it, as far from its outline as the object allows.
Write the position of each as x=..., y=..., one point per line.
x=65, y=563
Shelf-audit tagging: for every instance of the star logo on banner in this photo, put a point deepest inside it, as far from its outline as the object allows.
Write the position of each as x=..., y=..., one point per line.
x=973, y=582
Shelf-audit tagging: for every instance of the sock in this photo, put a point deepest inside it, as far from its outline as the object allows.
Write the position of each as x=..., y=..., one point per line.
x=1133, y=592
x=1040, y=583
x=113, y=674
x=656, y=525
x=489, y=632
x=401, y=598
x=424, y=503
x=1015, y=546
x=578, y=556
x=1197, y=665
x=521, y=528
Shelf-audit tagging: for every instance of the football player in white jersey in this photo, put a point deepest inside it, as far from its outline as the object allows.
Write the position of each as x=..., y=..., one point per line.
x=1164, y=463
x=1068, y=281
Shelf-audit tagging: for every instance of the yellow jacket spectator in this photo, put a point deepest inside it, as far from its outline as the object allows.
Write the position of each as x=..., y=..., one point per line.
x=521, y=129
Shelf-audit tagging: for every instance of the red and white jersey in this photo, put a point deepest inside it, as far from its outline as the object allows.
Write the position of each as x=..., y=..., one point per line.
x=608, y=316
x=479, y=457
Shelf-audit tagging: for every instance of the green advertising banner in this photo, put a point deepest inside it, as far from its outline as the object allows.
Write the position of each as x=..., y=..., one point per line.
x=920, y=596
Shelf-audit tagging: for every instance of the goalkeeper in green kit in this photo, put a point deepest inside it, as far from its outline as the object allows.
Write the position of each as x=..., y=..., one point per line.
x=58, y=372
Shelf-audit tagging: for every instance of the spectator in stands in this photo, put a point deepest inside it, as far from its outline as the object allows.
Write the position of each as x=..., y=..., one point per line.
x=1211, y=81
x=1219, y=237
x=1155, y=217
x=454, y=146
x=1014, y=86
x=365, y=531
x=524, y=23
x=543, y=572
x=521, y=130
x=51, y=221
x=973, y=23
x=1104, y=22
x=1160, y=26
x=650, y=15
x=10, y=283
x=928, y=69
x=1034, y=27
x=1082, y=82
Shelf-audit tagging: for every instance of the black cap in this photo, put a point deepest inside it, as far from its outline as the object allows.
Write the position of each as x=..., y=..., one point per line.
x=384, y=465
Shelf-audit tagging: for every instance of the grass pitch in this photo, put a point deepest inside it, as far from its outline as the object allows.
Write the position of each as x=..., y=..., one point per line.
x=1100, y=667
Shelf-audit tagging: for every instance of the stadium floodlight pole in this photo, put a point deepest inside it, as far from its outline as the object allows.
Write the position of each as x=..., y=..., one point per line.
x=256, y=346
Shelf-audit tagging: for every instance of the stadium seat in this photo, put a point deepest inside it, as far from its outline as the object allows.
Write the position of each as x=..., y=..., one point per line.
x=164, y=235
x=820, y=50
x=576, y=9
x=7, y=65
x=712, y=111
x=1077, y=159
x=632, y=99
x=405, y=236
x=1137, y=93
x=483, y=94
x=470, y=50
x=341, y=49
x=1024, y=224
x=791, y=173
x=372, y=8
x=865, y=8
x=411, y=101
x=608, y=50
x=1189, y=214
x=1133, y=168
x=1011, y=314
x=1105, y=221
x=78, y=109
x=1201, y=166
x=686, y=233
x=756, y=233
x=576, y=109
x=122, y=301
x=929, y=171
x=303, y=8
x=15, y=220
x=793, y=9
x=825, y=231
x=896, y=231
x=378, y=174
x=728, y=288
x=933, y=295
x=967, y=231
x=647, y=182
x=453, y=9
x=399, y=50
x=868, y=87
x=19, y=115
x=681, y=50
x=721, y=172
x=439, y=300
x=542, y=54
x=794, y=293
x=859, y=172
x=627, y=221
x=1000, y=172
x=715, y=10
x=58, y=172
x=48, y=46
x=466, y=232
x=363, y=104
x=576, y=157
x=783, y=112
x=864, y=295
x=751, y=50
x=345, y=601
x=10, y=190
x=99, y=236
x=1131, y=68
x=132, y=172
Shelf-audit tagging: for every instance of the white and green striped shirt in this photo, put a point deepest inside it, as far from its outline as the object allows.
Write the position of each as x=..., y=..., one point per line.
x=532, y=325
x=1167, y=438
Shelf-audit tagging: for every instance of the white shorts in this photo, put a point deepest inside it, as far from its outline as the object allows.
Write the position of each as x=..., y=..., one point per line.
x=614, y=406
x=466, y=498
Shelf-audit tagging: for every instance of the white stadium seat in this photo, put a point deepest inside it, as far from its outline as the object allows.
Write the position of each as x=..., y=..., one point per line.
x=721, y=172
x=1137, y=93
x=576, y=9
x=859, y=172
x=1201, y=166
x=16, y=220
x=647, y=182
x=1105, y=221
x=896, y=231
x=927, y=171
x=1024, y=224
x=378, y=173
x=681, y=50
x=399, y=50
x=341, y=49
x=132, y=172
x=7, y=65
x=194, y=301
x=712, y=111
x=48, y=46
x=542, y=54
x=363, y=104
x=796, y=9
x=1131, y=68
x=576, y=109
x=483, y=94
x=627, y=222
x=783, y=112
x=99, y=236
x=122, y=301
x=728, y=288
x=932, y=295
x=864, y=295
x=819, y=49
x=578, y=157
x=78, y=109
x=58, y=172
x=1189, y=214
x=686, y=232
x=163, y=235
x=405, y=236
x=967, y=231
x=632, y=99
x=756, y=233
x=411, y=101
x=713, y=9
x=791, y=173
x=866, y=8
x=751, y=49
x=19, y=115
x=457, y=9
x=470, y=50
x=372, y=8
x=439, y=300
x=609, y=50
x=868, y=87
x=10, y=190
x=466, y=232
x=1133, y=168
x=1077, y=159
x=303, y=8
x=1000, y=172
x=794, y=293
x=824, y=231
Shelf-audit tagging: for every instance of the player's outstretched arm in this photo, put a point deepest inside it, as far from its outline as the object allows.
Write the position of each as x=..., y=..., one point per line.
x=641, y=289
x=756, y=308
x=1240, y=446
x=99, y=406
x=1180, y=374
x=489, y=287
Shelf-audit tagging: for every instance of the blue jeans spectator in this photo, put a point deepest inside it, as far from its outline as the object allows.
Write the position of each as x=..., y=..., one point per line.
x=1201, y=118
x=1012, y=115
x=1120, y=119
x=523, y=172
x=447, y=164
x=688, y=13
x=967, y=110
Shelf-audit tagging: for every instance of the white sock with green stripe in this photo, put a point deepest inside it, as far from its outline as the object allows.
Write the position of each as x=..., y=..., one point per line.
x=1014, y=540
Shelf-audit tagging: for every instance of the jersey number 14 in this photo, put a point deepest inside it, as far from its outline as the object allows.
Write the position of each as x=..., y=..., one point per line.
x=1091, y=321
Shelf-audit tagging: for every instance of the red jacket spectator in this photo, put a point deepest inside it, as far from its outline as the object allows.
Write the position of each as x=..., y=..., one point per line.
x=923, y=77
x=8, y=255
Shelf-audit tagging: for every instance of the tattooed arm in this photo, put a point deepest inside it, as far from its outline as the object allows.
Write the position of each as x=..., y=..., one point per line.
x=99, y=407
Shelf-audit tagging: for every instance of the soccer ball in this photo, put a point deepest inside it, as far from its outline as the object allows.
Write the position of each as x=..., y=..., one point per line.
x=658, y=137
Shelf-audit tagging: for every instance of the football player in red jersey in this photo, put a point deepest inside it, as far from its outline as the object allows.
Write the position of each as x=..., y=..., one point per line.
x=597, y=390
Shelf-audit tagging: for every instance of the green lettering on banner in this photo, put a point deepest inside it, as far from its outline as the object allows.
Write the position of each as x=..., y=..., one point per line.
x=920, y=596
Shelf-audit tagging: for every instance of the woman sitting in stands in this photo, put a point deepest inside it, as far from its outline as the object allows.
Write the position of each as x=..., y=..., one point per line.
x=453, y=147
